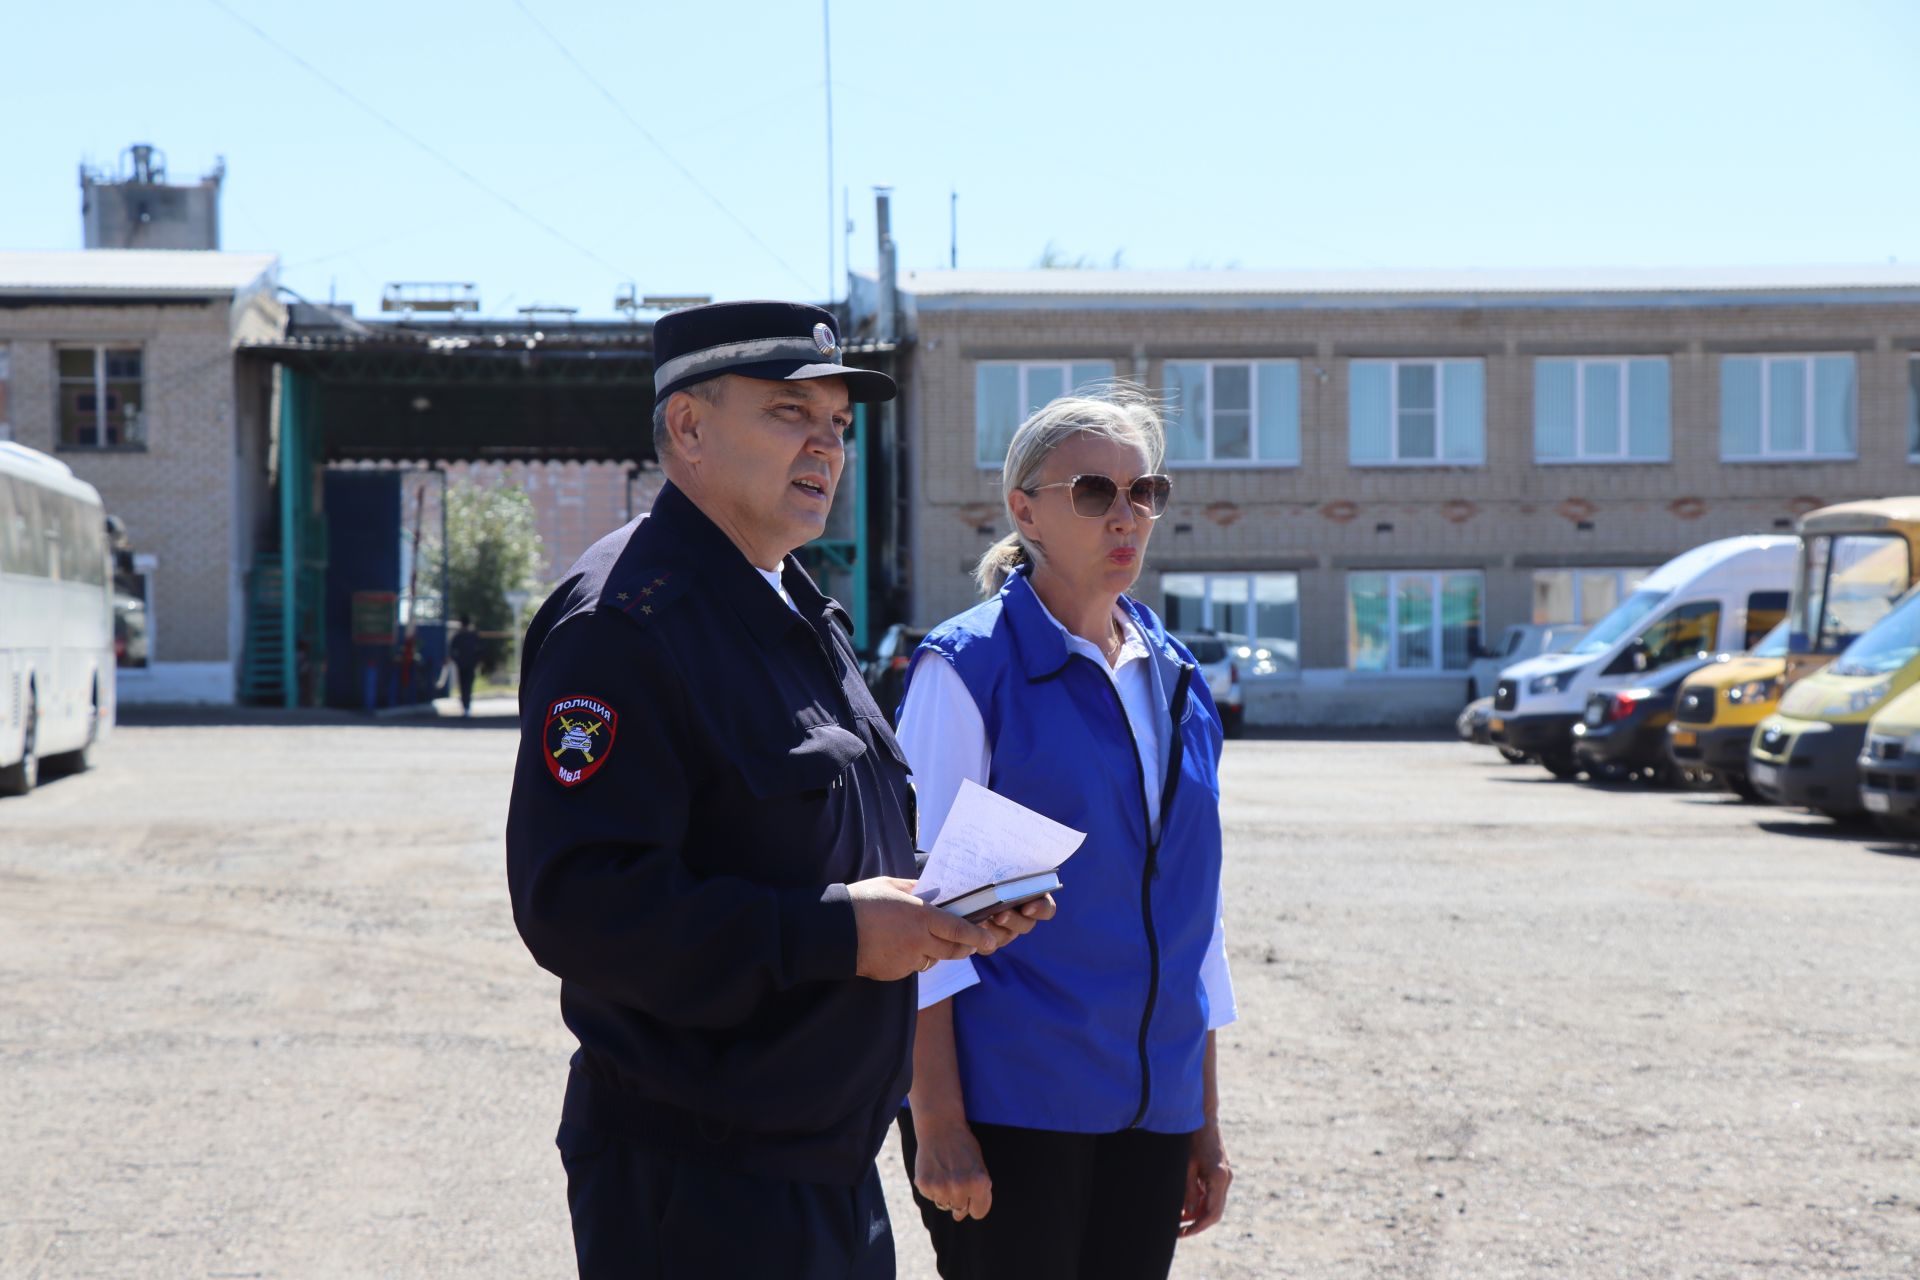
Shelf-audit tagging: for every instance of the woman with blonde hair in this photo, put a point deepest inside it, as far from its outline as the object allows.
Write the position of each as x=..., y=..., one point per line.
x=1063, y=1119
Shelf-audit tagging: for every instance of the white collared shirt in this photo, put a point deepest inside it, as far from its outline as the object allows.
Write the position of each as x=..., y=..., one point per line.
x=945, y=742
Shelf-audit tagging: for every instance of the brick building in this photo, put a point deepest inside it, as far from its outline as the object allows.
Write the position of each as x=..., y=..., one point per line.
x=1375, y=470
x=122, y=362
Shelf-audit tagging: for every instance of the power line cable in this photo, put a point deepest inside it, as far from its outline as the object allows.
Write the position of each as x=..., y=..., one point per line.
x=418, y=142
x=668, y=156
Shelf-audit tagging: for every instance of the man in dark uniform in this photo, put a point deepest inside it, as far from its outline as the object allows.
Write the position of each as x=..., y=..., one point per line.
x=709, y=839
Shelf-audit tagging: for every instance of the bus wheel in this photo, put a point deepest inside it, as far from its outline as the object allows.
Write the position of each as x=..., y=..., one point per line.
x=78, y=761
x=19, y=778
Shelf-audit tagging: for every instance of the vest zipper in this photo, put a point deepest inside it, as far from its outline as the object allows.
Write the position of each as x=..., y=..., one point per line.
x=1151, y=872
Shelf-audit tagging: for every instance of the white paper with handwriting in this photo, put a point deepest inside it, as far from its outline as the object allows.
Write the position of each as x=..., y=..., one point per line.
x=988, y=839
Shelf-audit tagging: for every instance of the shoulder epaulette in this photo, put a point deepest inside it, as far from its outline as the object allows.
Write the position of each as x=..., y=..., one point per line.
x=644, y=594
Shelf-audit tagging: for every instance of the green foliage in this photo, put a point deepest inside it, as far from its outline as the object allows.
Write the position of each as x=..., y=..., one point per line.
x=496, y=550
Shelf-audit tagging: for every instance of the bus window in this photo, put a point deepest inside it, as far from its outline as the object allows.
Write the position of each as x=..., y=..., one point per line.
x=1851, y=582
x=27, y=547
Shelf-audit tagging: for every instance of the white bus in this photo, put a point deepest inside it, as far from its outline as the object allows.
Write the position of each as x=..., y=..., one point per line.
x=56, y=619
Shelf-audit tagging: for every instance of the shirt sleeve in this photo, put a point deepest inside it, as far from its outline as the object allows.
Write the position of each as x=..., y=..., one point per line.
x=945, y=742
x=1216, y=980
x=601, y=892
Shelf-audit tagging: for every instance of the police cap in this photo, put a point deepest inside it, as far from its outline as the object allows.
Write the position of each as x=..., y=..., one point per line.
x=777, y=341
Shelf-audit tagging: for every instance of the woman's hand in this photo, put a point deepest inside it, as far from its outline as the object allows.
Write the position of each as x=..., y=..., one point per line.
x=1011, y=923
x=949, y=1171
x=1208, y=1177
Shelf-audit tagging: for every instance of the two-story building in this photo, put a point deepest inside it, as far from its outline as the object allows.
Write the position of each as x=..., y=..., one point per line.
x=1375, y=470
x=123, y=363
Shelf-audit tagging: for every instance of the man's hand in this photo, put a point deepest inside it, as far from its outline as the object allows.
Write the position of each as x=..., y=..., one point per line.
x=899, y=934
x=948, y=1170
x=1208, y=1176
x=1011, y=923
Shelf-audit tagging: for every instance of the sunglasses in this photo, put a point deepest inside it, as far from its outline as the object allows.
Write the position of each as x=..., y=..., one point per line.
x=1093, y=495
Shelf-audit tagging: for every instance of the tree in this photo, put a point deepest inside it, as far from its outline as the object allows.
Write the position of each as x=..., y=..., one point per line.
x=1054, y=258
x=496, y=551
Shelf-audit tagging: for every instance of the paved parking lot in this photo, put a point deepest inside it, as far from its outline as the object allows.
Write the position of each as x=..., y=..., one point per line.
x=262, y=1013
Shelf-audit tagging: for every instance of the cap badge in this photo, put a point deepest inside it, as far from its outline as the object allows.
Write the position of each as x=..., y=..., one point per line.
x=823, y=339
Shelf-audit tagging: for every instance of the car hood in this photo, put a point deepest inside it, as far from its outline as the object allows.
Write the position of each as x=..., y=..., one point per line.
x=1736, y=671
x=1546, y=664
x=1900, y=717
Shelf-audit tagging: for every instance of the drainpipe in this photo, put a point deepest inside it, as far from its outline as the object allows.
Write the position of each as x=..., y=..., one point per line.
x=887, y=308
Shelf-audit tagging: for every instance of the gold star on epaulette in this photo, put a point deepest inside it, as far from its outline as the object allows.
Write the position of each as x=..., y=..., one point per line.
x=646, y=608
x=659, y=582
x=646, y=591
x=623, y=597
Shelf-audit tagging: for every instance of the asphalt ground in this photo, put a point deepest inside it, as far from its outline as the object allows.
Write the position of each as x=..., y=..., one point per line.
x=263, y=1014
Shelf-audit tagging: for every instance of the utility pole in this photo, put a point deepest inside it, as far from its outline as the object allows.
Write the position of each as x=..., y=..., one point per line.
x=953, y=229
x=826, y=48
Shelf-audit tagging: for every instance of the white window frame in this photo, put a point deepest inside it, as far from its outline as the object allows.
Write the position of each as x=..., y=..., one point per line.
x=1767, y=360
x=1253, y=419
x=100, y=380
x=1623, y=575
x=1210, y=576
x=1024, y=368
x=1437, y=578
x=1581, y=458
x=6, y=391
x=1913, y=405
x=1438, y=365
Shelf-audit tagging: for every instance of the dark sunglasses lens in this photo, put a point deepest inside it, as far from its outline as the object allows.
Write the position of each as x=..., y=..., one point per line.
x=1150, y=494
x=1093, y=495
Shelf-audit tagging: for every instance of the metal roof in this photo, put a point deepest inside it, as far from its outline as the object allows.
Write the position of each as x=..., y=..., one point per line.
x=155, y=273
x=1513, y=286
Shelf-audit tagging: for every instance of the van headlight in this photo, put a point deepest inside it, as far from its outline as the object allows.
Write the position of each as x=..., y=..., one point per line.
x=1556, y=683
x=1755, y=691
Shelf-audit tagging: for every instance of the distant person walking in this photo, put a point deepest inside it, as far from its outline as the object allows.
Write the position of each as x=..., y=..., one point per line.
x=464, y=652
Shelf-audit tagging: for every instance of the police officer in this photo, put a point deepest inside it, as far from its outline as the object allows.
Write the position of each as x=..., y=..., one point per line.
x=709, y=838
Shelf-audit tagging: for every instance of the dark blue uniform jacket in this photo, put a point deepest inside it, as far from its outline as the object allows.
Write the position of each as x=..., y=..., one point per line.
x=701, y=774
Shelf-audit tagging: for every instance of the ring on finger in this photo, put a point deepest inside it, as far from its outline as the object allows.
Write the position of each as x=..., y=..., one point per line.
x=928, y=965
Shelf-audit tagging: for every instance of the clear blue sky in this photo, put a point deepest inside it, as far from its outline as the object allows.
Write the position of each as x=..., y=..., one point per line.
x=1251, y=134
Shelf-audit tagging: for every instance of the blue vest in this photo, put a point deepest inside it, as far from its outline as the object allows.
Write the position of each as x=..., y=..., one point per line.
x=1095, y=1021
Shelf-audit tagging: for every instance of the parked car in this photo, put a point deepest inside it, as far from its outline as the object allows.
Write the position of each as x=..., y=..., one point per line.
x=1517, y=643
x=886, y=671
x=1220, y=665
x=1623, y=732
x=1720, y=704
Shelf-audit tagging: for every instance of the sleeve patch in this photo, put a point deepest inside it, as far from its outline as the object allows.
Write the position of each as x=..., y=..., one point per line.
x=578, y=738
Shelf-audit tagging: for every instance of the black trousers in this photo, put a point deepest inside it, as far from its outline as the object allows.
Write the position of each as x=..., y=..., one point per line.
x=466, y=675
x=640, y=1214
x=1099, y=1206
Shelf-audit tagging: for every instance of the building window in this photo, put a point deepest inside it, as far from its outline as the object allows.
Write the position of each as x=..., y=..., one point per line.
x=1786, y=407
x=1413, y=622
x=6, y=387
x=1417, y=412
x=1228, y=412
x=1601, y=410
x=1581, y=595
x=100, y=398
x=1261, y=608
x=1005, y=392
x=1913, y=406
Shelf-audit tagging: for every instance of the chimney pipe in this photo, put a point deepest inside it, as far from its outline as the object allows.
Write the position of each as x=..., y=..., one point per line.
x=887, y=317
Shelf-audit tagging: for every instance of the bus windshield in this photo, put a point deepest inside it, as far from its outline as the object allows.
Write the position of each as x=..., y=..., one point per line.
x=1848, y=582
x=1621, y=623
x=1891, y=644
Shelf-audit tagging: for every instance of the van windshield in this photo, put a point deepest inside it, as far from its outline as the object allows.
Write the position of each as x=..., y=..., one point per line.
x=1624, y=621
x=1892, y=643
x=1773, y=644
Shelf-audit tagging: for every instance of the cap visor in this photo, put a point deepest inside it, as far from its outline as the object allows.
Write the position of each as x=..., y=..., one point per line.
x=863, y=385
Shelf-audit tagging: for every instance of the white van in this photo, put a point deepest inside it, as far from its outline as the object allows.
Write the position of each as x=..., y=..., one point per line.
x=1721, y=597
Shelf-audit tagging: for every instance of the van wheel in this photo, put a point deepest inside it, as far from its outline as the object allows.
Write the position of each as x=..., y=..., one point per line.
x=80, y=760
x=1233, y=721
x=1562, y=767
x=1738, y=784
x=1514, y=757
x=19, y=778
